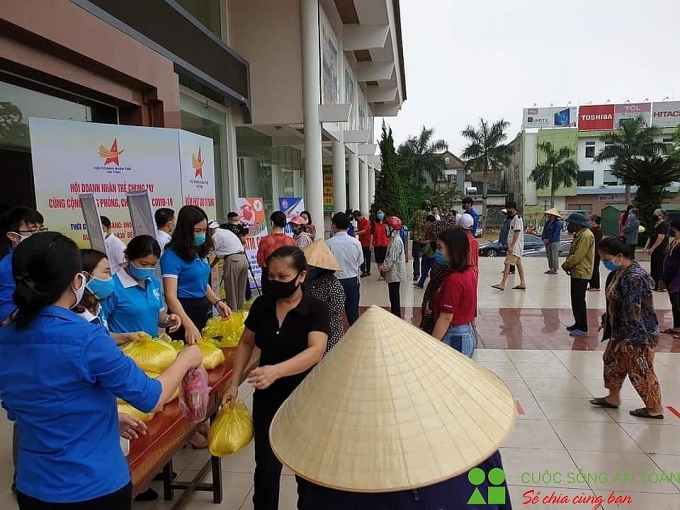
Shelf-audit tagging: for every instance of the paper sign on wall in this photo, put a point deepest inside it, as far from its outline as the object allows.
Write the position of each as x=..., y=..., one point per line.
x=251, y=213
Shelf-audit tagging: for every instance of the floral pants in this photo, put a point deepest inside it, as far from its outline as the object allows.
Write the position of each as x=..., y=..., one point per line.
x=621, y=360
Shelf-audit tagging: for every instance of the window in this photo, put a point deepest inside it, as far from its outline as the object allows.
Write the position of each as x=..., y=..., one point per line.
x=590, y=149
x=586, y=177
x=582, y=208
x=609, y=178
x=208, y=12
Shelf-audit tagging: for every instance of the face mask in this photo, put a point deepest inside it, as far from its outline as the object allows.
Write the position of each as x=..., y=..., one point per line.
x=571, y=228
x=380, y=217
x=199, y=239
x=283, y=290
x=315, y=273
x=631, y=216
x=439, y=258
x=79, y=292
x=101, y=288
x=297, y=230
x=611, y=265
x=21, y=238
x=141, y=273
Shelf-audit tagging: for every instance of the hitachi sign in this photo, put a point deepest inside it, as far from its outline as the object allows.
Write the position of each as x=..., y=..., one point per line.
x=661, y=115
x=599, y=116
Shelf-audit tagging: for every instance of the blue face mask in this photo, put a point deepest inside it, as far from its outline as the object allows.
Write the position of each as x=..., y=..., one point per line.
x=141, y=273
x=380, y=217
x=631, y=217
x=199, y=239
x=101, y=288
x=611, y=265
x=440, y=258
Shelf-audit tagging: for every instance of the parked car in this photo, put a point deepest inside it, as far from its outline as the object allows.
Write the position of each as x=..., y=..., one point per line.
x=494, y=249
x=565, y=246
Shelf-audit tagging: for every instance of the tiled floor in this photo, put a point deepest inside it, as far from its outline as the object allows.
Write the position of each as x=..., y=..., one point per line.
x=557, y=431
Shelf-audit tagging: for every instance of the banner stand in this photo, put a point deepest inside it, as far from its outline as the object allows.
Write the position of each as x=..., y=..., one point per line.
x=93, y=222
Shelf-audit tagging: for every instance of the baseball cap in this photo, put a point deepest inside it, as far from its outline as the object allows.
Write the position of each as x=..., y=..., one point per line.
x=466, y=221
x=213, y=224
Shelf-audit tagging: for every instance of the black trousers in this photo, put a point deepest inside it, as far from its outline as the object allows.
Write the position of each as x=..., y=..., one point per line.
x=380, y=252
x=656, y=265
x=633, y=246
x=366, y=266
x=415, y=253
x=119, y=500
x=198, y=310
x=395, y=298
x=675, y=305
x=267, y=466
x=595, y=279
x=579, y=286
x=264, y=280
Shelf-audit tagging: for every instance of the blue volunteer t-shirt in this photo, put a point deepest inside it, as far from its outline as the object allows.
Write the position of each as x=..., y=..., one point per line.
x=59, y=381
x=132, y=308
x=192, y=277
x=7, y=286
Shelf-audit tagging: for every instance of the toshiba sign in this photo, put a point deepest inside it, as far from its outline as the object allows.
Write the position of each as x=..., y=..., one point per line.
x=666, y=114
x=596, y=118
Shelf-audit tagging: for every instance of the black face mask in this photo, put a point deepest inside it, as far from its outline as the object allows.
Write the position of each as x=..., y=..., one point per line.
x=283, y=290
x=571, y=228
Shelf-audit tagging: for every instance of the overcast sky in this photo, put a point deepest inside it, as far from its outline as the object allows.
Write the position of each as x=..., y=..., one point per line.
x=492, y=58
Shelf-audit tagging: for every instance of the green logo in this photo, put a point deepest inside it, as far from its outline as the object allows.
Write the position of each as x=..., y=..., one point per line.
x=496, y=495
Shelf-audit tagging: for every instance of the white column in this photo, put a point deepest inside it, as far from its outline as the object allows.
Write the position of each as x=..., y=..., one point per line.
x=363, y=187
x=354, y=181
x=339, y=177
x=311, y=96
x=371, y=185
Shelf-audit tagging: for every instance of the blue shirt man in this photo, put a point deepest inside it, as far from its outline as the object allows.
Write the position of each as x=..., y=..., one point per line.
x=467, y=207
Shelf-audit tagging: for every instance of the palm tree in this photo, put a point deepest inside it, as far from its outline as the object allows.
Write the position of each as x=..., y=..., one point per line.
x=651, y=174
x=633, y=139
x=558, y=170
x=419, y=155
x=486, y=151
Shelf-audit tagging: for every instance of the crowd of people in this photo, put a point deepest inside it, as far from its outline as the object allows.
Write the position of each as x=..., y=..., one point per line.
x=66, y=311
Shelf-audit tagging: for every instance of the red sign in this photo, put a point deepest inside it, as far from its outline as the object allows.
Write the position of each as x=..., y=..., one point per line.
x=596, y=118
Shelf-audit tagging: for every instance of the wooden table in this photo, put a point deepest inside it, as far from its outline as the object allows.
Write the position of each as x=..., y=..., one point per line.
x=169, y=431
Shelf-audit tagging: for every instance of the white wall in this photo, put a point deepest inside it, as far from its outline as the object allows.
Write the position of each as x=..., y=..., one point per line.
x=585, y=164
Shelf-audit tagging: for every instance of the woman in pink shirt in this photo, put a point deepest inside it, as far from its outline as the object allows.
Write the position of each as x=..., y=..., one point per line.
x=455, y=302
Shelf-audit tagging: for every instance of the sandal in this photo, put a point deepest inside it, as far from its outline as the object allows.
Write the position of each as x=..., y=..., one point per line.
x=498, y=287
x=198, y=442
x=644, y=413
x=671, y=331
x=519, y=287
x=602, y=402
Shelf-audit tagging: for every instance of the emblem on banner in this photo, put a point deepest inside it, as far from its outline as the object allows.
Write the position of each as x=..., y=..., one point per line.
x=197, y=163
x=111, y=155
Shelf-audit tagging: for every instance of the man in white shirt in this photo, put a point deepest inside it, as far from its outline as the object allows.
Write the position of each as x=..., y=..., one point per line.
x=165, y=222
x=350, y=255
x=229, y=248
x=115, y=248
x=515, y=249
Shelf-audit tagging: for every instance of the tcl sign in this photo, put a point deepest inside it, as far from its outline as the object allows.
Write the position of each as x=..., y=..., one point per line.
x=666, y=114
x=596, y=118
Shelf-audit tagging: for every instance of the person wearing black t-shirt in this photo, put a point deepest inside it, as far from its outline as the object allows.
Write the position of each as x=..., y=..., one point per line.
x=291, y=329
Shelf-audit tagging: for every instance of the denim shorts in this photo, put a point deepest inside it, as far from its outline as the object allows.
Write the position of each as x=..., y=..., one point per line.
x=462, y=338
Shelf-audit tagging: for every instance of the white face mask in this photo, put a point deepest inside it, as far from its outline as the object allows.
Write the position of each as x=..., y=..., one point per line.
x=21, y=238
x=80, y=291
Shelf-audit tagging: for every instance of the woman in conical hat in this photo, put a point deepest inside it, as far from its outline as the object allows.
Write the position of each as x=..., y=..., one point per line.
x=322, y=284
x=393, y=419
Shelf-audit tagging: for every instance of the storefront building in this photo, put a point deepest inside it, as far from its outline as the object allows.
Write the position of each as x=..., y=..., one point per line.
x=154, y=63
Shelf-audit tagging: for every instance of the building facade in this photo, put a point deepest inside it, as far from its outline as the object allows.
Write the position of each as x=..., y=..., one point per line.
x=286, y=89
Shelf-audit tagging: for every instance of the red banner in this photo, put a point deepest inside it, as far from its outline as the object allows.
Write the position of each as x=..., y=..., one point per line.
x=596, y=118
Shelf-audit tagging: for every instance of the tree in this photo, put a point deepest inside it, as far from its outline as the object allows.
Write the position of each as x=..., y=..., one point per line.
x=388, y=186
x=486, y=151
x=419, y=158
x=632, y=140
x=674, y=147
x=651, y=175
x=558, y=170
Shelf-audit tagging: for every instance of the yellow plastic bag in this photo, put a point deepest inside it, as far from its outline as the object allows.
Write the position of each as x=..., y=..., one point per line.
x=125, y=408
x=247, y=305
x=225, y=333
x=177, y=344
x=213, y=356
x=231, y=431
x=151, y=355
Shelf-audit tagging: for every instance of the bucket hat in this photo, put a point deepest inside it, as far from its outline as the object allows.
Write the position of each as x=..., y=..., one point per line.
x=578, y=219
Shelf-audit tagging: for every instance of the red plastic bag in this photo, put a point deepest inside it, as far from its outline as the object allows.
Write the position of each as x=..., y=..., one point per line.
x=193, y=395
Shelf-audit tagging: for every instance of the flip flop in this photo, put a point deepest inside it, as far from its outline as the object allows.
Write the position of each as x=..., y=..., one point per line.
x=644, y=413
x=601, y=402
x=518, y=287
x=671, y=331
x=498, y=287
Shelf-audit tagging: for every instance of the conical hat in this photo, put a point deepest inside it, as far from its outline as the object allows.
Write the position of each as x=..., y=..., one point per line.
x=318, y=254
x=390, y=408
x=553, y=212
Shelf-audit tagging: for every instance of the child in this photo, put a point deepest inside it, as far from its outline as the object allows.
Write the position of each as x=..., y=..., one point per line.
x=392, y=269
